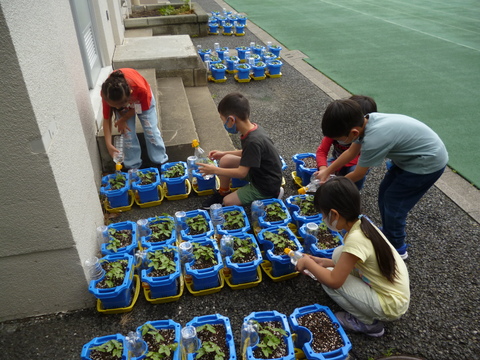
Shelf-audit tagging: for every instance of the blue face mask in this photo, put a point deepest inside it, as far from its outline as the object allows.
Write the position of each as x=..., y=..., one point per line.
x=231, y=130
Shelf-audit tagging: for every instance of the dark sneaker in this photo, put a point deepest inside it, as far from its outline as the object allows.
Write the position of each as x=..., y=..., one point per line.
x=350, y=322
x=216, y=198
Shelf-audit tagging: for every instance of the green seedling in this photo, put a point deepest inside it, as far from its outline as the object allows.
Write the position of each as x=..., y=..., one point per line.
x=116, y=273
x=233, y=220
x=275, y=211
x=177, y=170
x=243, y=247
x=278, y=240
x=164, y=350
x=115, y=239
x=117, y=182
x=269, y=341
x=208, y=327
x=147, y=177
x=202, y=252
x=161, y=227
x=198, y=224
x=160, y=261
x=209, y=347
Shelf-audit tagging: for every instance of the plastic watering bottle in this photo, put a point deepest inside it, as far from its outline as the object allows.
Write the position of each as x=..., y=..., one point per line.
x=191, y=160
x=294, y=257
x=95, y=269
x=249, y=335
x=311, y=187
x=190, y=342
x=118, y=155
x=311, y=236
x=135, y=345
x=258, y=210
x=202, y=157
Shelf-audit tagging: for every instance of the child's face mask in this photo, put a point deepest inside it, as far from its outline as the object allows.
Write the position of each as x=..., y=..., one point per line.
x=331, y=225
x=231, y=129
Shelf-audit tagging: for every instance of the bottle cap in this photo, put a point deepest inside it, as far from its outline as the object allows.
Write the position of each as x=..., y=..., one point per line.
x=287, y=251
x=302, y=191
x=118, y=166
x=195, y=143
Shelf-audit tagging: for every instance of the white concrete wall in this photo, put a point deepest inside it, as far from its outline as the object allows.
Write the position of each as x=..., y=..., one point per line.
x=49, y=197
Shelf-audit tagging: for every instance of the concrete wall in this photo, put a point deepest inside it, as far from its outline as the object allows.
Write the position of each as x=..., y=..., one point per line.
x=50, y=207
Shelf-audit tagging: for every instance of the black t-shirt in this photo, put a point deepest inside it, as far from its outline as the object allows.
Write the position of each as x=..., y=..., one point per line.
x=261, y=156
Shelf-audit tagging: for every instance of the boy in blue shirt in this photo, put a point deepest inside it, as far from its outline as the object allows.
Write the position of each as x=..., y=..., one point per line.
x=417, y=153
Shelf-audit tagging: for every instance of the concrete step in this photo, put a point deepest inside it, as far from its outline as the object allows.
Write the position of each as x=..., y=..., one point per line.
x=211, y=134
x=170, y=56
x=178, y=128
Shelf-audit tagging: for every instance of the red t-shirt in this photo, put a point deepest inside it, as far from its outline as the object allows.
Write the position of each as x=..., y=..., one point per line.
x=141, y=92
x=324, y=148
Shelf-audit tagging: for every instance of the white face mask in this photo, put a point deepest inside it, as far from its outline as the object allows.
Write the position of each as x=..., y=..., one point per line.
x=332, y=226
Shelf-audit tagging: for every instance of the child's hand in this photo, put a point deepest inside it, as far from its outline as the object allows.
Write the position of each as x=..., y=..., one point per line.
x=323, y=175
x=206, y=169
x=216, y=155
x=121, y=125
x=112, y=150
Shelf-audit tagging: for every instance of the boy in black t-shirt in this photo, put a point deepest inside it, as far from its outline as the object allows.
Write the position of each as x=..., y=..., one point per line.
x=258, y=162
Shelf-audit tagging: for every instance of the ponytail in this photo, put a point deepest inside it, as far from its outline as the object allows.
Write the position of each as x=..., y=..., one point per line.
x=116, y=88
x=341, y=194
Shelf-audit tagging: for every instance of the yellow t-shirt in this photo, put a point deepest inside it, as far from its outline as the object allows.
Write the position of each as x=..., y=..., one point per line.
x=394, y=297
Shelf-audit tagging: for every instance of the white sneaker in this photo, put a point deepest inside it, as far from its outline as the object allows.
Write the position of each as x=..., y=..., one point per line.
x=280, y=194
x=404, y=256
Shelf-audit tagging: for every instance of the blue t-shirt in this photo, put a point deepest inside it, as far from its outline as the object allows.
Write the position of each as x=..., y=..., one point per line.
x=411, y=144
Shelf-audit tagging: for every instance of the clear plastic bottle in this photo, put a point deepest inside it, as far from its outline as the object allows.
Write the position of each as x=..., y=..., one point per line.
x=95, y=269
x=186, y=256
x=135, y=345
x=216, y=214
x=258, y=210
x=118, y=155
x=180, y=223
x=202, y=157
x=294, y=257
x=102, y=235
x=141, y=260
x=249, y=335
x=191, y=160
x=311, y=230
x=311, y=187
x=189, y=342
x=226, y=245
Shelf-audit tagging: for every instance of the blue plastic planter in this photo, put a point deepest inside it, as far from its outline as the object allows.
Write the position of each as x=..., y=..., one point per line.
x=227, y=28
x=175, y=186
x=130, y=249
x=275, y=49
x=274, y=67
x=236, y=183
x=259, y=70
x=281, y=264
x=87, y=348
x=243, y=71
x=202, y=53
x=116, y=198
x=148, y=192
x=216, y=319
x=246, y=226
x=258, y=49
x=239, y=29
x=163, y=286
x=304, y=336
x=185, y=234
x=218, y=73
x=167, y=325
x=206, y=278
x=119, y=296
x=244, y=272
x=144, y=241
x=263, y=223
x=313, y=248
x=241, y=52
x=242, y=20
x=303, y=172
x=221, y=53
x=213, y=27
x=295, y=211
x=203, y=184
x=232, y=62
x=268, y=316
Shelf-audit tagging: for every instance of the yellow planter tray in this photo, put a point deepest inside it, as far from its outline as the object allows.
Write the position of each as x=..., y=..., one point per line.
x=206, y=192
x=228, y=278
x=214, y=290
x=212, y=79
x=273, y=76
x=296, y=179
x=167, y=299
x=259, y=77
x=180, y=196
x=125, y=309
x=150, y=203
x=299, y=354
x=241, y=80
x=267, y=267
x=106, y=204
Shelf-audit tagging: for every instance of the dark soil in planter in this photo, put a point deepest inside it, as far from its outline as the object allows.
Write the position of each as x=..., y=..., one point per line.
x=153, y=345
x=219, y=338
x=123, y=236
x=310, y=162
x=199, y=226
x=233, y=220
x=100, y=355
x=157, y=235
x=203, y=263
x=325, y=335
x=147, y=178
x=107, y=266
x=281, y=349
x=326, y=240
x=272, y=213
x=162, y=272
x=306, y=206
x=247, y=256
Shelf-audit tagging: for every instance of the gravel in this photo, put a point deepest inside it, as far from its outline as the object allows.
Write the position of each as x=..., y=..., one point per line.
x=443, y=319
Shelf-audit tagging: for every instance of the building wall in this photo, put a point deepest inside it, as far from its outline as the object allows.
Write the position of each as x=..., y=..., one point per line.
x=50, y=164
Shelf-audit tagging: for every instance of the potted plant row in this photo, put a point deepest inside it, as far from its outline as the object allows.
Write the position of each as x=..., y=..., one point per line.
x=198, y=226
x=302, y=209
x=175, y=176
x=115, y=188
x=160, y=231
x=146, y=185
x=121, y=238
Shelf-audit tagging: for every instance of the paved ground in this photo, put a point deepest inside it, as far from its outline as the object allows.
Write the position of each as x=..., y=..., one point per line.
x=441, y=324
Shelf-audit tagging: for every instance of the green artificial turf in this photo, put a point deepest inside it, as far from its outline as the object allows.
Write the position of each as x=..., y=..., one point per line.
x=420, y=59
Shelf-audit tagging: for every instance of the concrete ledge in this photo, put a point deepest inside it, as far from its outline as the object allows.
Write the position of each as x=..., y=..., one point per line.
x=178, y=127
x=138, y=32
